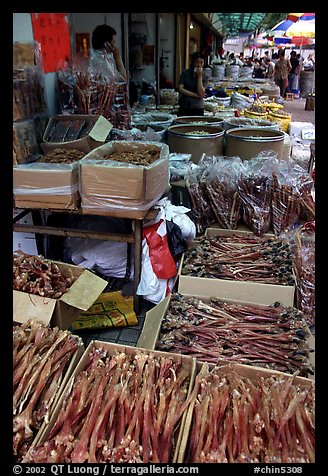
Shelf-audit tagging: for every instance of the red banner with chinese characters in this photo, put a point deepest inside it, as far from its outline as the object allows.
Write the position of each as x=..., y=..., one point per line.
x=51, y=30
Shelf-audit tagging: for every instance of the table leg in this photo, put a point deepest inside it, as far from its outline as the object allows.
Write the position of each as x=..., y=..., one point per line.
x=137, y=262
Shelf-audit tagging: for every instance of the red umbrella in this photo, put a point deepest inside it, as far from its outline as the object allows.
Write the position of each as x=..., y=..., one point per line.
x=300, y=16
x=301, y=41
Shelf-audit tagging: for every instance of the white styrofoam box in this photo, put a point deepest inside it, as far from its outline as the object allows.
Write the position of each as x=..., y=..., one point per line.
x=24, y=241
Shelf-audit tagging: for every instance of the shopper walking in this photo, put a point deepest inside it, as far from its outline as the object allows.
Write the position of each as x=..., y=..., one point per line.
x=270, y=67
x=281, y=72
x=192, y=85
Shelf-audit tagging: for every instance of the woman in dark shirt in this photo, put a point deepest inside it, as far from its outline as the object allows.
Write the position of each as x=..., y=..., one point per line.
x=192, y=88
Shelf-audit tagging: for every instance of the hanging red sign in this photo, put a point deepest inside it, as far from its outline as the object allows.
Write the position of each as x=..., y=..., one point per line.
x=51, y=30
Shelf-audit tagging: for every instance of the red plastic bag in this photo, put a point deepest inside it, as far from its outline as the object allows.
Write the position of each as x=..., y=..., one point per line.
x=159, y=252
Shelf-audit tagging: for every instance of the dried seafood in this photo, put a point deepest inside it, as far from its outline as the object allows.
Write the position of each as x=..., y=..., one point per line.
x=40, y=359
x=219, y=332
x=243, y=420
x=38, y=275
x=121, y=408
x=268, y=262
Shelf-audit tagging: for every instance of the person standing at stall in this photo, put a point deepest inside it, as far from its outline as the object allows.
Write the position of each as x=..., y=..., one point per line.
x=281, y=72
x=294, y=73
x=103, y=39
x=192, y=85
x=270, y=67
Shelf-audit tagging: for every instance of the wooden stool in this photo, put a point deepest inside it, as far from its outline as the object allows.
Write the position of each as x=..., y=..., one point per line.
x=289, y=96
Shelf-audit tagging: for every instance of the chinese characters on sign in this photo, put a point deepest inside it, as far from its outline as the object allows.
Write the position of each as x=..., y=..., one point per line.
x=51, y=30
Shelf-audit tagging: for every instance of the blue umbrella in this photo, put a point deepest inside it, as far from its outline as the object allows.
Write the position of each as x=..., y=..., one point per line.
x=282, y=26
x=281, y=40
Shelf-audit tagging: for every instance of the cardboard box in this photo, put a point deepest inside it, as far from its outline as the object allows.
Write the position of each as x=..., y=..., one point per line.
x=107, y=185
x=244, y=291
x=251, y=372
x=154, y=318
x=189, y=363
x=42, y=185
x=62, y=311
x=98, y=129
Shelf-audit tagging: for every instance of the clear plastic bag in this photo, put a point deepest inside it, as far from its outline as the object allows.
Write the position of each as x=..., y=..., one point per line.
x=254, y=188
x=219, y=181
x=89, y=85
x=302, y=244
x=201, y=213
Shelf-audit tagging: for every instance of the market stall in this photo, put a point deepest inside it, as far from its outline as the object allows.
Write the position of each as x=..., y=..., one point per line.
x=205, y=350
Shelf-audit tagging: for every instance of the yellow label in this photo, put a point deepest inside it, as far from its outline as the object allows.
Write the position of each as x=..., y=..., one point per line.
x=109, y=310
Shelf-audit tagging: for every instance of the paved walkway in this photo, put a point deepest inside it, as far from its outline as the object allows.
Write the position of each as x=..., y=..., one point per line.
x=297, y=109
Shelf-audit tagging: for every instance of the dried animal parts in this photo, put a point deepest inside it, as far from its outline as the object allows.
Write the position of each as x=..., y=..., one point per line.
x=145, y=157
x=61, y=156
x=41, y=356
x=268, y=336
x=237, y=419
x=38, y=275
x=120, y=408
x=268, y=262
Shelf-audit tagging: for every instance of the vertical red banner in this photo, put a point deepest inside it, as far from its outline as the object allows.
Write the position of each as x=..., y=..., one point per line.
x=51, y=30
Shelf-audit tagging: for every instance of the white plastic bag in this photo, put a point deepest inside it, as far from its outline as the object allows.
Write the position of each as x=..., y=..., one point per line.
x=178, y=214
x=109, y=258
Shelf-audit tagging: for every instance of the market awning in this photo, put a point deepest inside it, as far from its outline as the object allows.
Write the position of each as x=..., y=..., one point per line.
x=237, y=23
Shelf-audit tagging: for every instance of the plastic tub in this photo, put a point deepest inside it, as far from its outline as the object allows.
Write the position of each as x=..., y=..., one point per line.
x=204, y=120
x=183, y=138
x=233, y=122
x=158, y=121
x=248, y=142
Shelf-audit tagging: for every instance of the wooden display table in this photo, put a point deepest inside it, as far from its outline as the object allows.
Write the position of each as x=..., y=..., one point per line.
x=135, y=237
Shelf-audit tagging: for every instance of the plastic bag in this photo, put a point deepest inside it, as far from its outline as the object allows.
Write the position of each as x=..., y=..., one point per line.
x=90, y=83
x=108, y=258
x=150, y=286
x=219, y=181
x=201, y=213
x=160, y=255
x=148, y=280
x=176, y=242
x=291, y=193
x=177, y=214
x=301, y=240
x=179, y=165
x=254, y=188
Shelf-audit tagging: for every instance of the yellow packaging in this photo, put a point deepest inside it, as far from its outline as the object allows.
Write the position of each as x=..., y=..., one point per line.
x=255, y=115
x=280, y=119
x=109, y=310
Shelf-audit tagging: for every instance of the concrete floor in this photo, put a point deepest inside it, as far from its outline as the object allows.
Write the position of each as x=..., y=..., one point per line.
x=296, y=107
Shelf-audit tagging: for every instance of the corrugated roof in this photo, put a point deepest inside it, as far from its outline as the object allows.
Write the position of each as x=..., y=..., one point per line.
x=237, y=23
